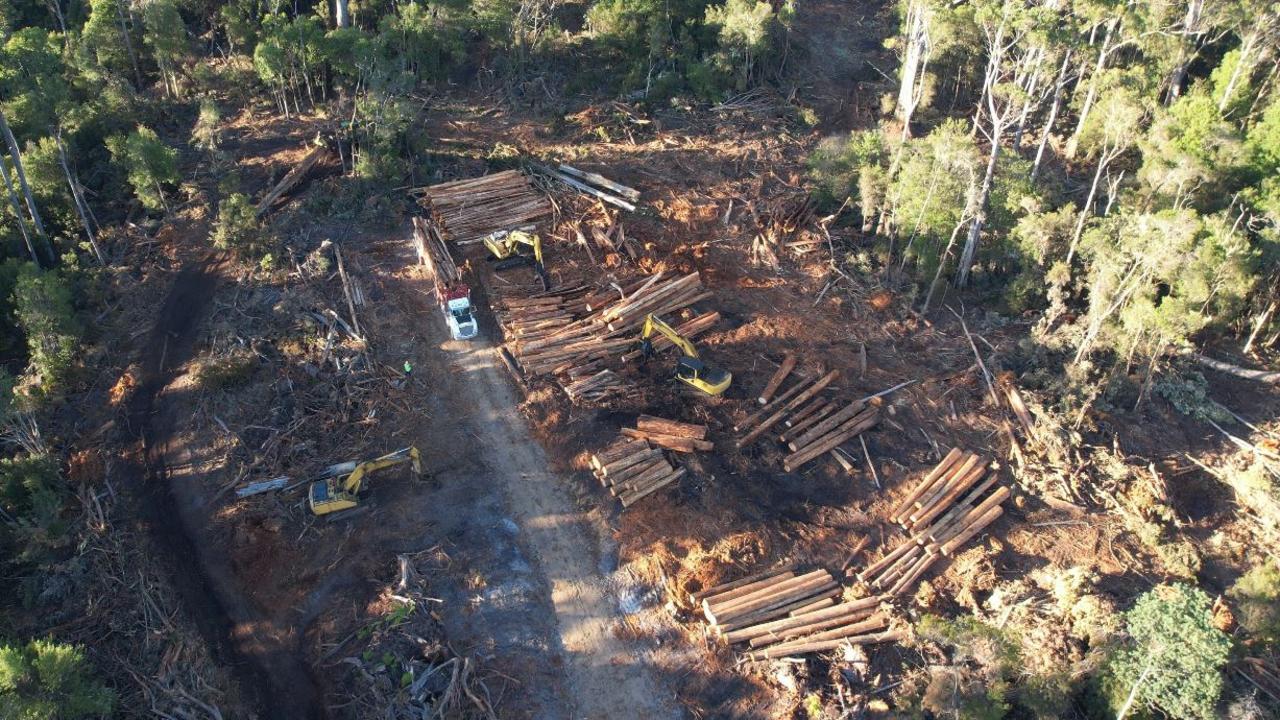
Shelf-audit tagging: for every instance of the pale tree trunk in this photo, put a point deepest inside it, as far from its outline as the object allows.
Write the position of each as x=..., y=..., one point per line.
x=17, y=212
x=81, y=206
x=980, y=209
x=1258, y=324
x=1053, y=114
x=1091, y=92
x=1247, y=47
x=1104, y=159
x=16, y=156
x=55, y=9
x=942, y=263
x=914, y=63
x=342, y=13
x=1190, y=31
x=1030, y=101
x=128, y=42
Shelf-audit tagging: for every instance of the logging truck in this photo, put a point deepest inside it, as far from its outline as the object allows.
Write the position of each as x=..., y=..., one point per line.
x=455, y=303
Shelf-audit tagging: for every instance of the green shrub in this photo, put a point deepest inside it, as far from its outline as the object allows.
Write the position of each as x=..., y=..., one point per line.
x=237, y=228
x=45, y=313
x=148, y=163
x=1188, y=393
x=32, y=494
x=48, y=680
x=1174, y=656
x=1257, y=599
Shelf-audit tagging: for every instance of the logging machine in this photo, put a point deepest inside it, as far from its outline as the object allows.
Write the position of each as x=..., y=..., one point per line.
x=512, y=248
x=689, y=369
x=340, y=490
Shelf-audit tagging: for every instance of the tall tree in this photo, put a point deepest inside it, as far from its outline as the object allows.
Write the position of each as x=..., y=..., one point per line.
x=15, y=157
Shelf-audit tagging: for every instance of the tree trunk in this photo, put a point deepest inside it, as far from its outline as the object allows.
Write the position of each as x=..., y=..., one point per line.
x=914, y=63
x=1091, y=92
x=342, y=13
x=1246, y=50
x=1103, y=159
x=1053, y=114
x=17, y=213
x=980, y=209
x=1029, y=102
x=1258, y=324
x=942, y=263
x=78, y=197
x=128, y=43
x=1190, y=29
x=16, y=156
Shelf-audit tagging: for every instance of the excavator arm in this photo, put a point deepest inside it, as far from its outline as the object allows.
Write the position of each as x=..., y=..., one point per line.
x=505, y=246
x=653, y=323
x=355, y=480
x=689, y=369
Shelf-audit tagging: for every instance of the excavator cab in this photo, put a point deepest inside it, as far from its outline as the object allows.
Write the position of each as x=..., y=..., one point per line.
x=506, y=247
x=340, y=490
x=689, y=368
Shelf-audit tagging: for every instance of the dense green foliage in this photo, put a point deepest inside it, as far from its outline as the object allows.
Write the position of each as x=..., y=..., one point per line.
x=44, y=680
x=1174, y=658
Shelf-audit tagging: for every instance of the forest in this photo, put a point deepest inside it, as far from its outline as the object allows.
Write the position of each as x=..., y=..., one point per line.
x=1096, y=181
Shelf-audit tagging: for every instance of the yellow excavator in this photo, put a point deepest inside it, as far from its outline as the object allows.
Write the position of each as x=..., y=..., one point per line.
x=689, y=369
x=340, y=490
x=507, y=247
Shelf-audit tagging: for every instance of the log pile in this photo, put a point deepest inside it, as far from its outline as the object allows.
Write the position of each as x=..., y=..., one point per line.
x=670, y=434
x=783, y=613
x=474, y=207
x=632, y=469
x=560, y=347
x=810, y=425
x=954, y=502
x=777, y=227
x=596, y=387
x=434, y=253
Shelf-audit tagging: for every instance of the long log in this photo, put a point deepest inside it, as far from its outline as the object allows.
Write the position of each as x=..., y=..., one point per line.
x=826, y=630
x=933, y=531
x=859, y=424
x=805, y=411
x=780, y=611
x=824, y=645
x=910, y=577
x=775, y=606
x=663, y=426
x=955, y=490
x=616, y=451
x=643, y=455
x=753, y=601
x=664, y=482
x=625, y=474
x=977, y=527
x=924, y=485
x=678, y=444
x=880, y=565
x=769, y=422
x=640, y=481
x=841, y=610
x=959, y=525
x=820, y=430
x=726, y=591
x=788, y=364
x=940, y=487
x=774, y=405
x=800, y=427
x=604, y=182
x=775, y=637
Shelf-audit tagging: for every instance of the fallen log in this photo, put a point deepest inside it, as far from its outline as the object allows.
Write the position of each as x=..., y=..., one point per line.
x=664, y=482
x=723, y=590
x=675, y=428
x=788, y=363
x=941, y=468
x=671, y=442
x=835, y=611
x=825, y=630
x=824, y=645
x=860, y=423
x=794, y=402
x=291, y=179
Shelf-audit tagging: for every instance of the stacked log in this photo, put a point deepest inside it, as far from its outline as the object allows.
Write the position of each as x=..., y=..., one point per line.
x=531, y=317
x=633, y=469
x=475, y=207
x=606, y=328
x=670, y=434
x=740, y=605
x=950, y=506
x=812, y=426
x=434, y=253
x=598, y=387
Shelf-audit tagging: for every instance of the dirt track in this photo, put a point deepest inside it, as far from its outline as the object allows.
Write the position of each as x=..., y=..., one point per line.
x=546, y=604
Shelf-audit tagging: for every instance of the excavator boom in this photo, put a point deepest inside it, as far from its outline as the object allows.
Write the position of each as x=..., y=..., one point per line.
x=342, y=492
x=689, y=368
x=505, y=247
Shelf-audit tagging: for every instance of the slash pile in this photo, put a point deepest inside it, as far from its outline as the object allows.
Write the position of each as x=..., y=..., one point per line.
x=780, y=613
x=586, y=385
x=938, y=519
x=475, y=207
x=812, y=425
x=633, y=469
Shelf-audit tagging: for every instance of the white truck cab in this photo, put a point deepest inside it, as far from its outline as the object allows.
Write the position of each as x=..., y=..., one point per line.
x=455, y=303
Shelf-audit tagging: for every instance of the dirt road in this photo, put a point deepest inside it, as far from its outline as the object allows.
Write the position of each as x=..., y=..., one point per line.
x=547, y=601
